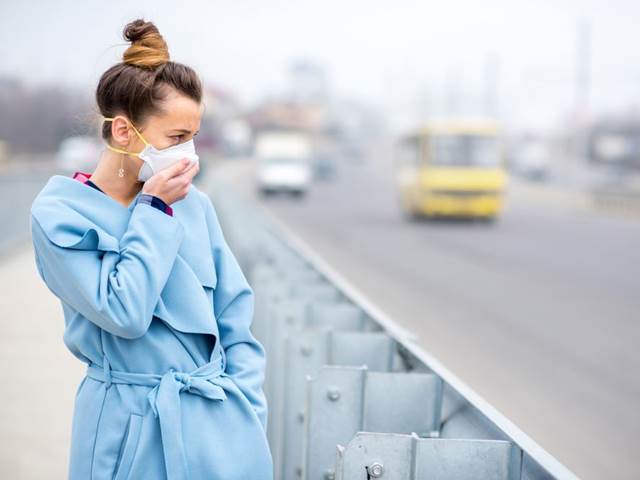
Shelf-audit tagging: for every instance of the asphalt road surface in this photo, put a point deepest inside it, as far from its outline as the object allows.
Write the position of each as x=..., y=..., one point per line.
x=537, y=312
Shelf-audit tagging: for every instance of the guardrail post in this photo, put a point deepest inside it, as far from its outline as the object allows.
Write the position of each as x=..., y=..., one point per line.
x=307, y=351
x=342, y=401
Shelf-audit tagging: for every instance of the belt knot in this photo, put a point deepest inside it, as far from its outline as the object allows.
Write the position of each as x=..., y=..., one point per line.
x=185, y=379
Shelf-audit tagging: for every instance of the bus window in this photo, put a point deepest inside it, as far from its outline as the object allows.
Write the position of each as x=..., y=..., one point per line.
x=464, y=151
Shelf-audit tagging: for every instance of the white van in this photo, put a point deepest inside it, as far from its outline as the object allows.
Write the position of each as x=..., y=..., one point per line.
x=284, y=161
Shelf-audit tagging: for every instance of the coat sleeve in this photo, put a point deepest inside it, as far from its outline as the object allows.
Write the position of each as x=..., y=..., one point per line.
x=234, y=305
x=118, y=291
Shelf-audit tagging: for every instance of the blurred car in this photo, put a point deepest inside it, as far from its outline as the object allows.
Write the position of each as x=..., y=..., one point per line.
x=324, y=167
x=284, y=161
x=78, y=153
x=532, y=160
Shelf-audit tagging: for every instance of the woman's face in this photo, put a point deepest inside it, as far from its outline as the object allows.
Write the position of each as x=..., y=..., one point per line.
x=177, y=122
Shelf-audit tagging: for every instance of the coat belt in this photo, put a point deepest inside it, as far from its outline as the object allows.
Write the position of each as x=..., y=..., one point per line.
x=208, y=381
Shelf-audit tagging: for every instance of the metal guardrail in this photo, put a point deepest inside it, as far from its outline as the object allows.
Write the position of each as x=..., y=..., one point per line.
x=350, y=395
x=616, y=199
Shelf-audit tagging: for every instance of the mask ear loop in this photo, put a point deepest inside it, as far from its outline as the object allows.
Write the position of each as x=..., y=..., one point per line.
x=124, y=152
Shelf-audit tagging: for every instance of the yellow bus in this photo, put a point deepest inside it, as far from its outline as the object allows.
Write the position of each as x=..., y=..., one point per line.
x=451, y=168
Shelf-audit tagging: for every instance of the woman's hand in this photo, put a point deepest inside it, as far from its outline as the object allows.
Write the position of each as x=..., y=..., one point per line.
x=172, y=184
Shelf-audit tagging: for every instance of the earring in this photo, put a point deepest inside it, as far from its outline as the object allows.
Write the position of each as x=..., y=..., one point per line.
x=121, y=169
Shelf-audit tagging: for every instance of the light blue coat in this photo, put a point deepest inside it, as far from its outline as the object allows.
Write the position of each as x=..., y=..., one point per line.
x=145, y=296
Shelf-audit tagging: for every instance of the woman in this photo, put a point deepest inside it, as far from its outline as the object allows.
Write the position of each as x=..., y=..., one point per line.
x=154, y=301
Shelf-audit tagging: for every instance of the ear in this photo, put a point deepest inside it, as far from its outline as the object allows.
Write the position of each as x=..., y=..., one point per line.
x=120, y=131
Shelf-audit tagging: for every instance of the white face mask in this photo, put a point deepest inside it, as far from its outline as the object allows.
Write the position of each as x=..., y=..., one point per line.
x=155, y=159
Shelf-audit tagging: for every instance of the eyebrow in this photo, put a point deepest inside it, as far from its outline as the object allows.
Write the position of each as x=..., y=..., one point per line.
x=183, y=130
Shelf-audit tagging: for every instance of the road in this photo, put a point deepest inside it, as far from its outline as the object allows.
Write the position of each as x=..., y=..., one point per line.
x=538, y=312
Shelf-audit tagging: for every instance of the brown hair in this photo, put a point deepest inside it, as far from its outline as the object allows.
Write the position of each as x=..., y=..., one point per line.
x=137, y=86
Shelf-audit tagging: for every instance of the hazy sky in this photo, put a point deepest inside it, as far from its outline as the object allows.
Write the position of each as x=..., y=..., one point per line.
x=409, y=57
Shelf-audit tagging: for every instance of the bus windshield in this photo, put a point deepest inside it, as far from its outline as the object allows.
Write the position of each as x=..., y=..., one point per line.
x=464, y=151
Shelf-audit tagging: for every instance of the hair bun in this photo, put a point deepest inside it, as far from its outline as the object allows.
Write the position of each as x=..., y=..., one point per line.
x=148, y=49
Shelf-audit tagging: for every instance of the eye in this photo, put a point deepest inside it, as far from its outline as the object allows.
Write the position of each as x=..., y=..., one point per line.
x=177, y=138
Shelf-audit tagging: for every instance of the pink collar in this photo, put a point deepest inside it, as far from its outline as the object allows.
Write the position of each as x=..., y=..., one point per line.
x=82, y=176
